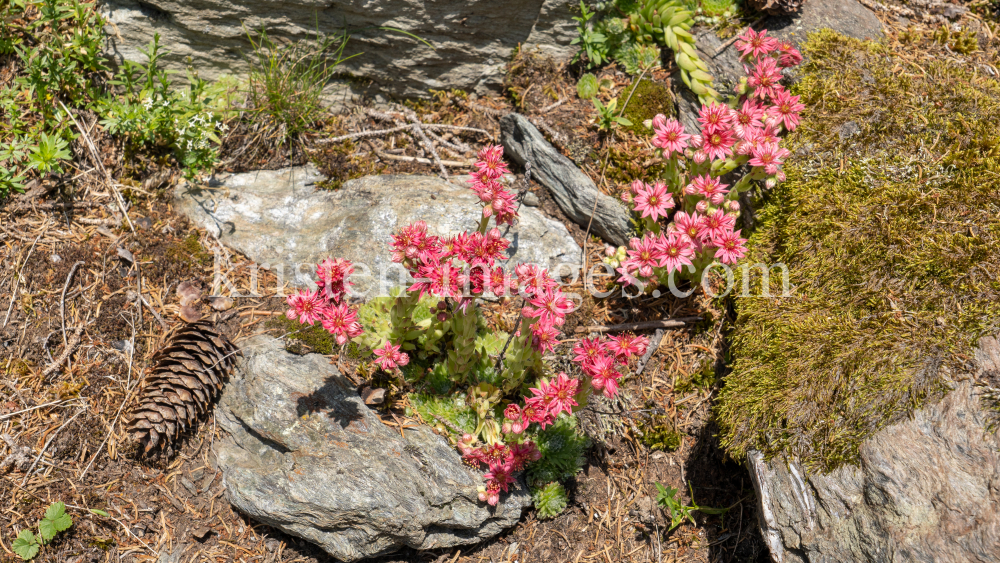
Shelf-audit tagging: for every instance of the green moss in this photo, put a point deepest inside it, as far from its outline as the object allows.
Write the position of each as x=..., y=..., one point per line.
x=650, y=98
x=190, y=250
x=659, y=434
x=890, y=228
x=305, y=339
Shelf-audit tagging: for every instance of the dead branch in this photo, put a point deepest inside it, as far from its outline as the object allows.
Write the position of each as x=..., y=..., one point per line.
x=646, y=325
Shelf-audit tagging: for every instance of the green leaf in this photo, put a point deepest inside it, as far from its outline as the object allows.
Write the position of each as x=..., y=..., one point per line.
x=100, y=512
x=26, y=545
x=56, y=520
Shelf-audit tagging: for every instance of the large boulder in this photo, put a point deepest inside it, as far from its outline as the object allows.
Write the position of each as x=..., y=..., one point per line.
x=470, y=41
x=304, y=454
x=278, y=218
x=926, y=489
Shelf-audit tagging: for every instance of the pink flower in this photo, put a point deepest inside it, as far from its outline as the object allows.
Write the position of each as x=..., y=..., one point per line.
x=710, y=188
x=627, y=345
x=552, y=306
x=765, y=78
x=731, y=247
x=535, y=410
x=716, y=224
x=669, y=135
x=389, y=356
x=677, y=250
x=558, y=394
x=786, y=109
x=306, y=306
x=490, y=163
x=654, y=201
x=332, y=276
x=750, y=115
x=714, y=115
x=717, y=143
x=517, y=422
x=604, y=375
x=544, y=336
x=689, y=225
x=342, y=322
x=588, y=349
x=439, y=279
x=500, y=475
x=413, y=243
x=769, y=157
x=753, y=44
x=645, y=255
x=790, y=56
x=522, y=454
x=532, y=279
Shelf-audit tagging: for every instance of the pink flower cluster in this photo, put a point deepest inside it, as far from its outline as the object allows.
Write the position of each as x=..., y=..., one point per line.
x=701, y=210
x=600, y=359
x=325, y=305
x=497, y=200
x=502, y=460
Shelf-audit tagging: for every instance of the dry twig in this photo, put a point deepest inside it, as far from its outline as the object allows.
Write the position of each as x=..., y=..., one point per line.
x=645, y=325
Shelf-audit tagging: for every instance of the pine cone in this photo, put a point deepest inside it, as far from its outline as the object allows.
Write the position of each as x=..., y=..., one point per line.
x=777, y=7
x=187, y=377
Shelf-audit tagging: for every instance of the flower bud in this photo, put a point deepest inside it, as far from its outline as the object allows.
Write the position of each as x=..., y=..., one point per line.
x=505, y=428
x=733, y=205
x=442, y=317
x=482, y=496
x=468, y=438
x=770, y=182
x=701, y=206
x=609, y=250
x=442, y=305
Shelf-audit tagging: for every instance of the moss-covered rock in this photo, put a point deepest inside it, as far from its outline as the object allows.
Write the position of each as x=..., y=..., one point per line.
x=650, y=98
x=890, y=228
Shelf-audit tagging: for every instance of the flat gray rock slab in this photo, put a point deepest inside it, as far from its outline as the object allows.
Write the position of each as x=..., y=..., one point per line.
x=470, y=42
x=279, y=219
x=573, y=190
x=926, y=489
x=304, y=454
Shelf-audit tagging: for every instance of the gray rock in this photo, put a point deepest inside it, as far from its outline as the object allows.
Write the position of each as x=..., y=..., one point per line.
x=573, y=190
x=471, y=40
x=531, y=199
x=279, y=218
x=926, y=489
x=848, y=17
x=304, y=454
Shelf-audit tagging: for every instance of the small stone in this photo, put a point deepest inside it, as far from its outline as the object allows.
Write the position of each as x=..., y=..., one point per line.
x=221, y=302
x=144, y=223
x=190, y=313
x=201, y=533
x=373, y=396
x=848, y=130
x=531, y=199
x=126, y=256
x=55, y=259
